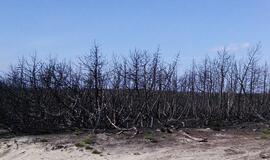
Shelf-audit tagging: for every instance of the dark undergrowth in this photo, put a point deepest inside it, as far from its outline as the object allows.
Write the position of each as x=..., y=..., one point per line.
x=139, y=91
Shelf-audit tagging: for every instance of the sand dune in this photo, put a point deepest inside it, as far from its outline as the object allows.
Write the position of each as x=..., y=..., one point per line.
x=175, y=146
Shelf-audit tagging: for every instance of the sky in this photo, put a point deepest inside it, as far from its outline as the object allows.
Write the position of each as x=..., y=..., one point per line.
x=194, y=28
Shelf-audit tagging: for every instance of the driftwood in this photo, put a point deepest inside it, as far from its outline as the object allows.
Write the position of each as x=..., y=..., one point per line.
x=122, y=130
x=193, y=138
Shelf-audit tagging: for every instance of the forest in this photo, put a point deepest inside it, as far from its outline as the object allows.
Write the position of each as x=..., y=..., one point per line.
x=137, y=91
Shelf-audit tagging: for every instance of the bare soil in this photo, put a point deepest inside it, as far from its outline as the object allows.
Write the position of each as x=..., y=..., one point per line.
x=250, y=143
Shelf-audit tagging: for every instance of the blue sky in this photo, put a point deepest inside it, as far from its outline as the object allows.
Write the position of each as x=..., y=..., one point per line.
x=195, y=28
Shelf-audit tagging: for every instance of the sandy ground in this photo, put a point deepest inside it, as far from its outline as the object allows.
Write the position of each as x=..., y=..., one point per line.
x=229, y=144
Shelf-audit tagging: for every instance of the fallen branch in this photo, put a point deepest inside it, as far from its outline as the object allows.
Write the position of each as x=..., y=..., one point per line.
x=260, y=117
x=122, y=130
x=193, y=138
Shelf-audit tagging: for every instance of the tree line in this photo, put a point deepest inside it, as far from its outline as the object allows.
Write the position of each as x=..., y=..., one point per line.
x=140, y=90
